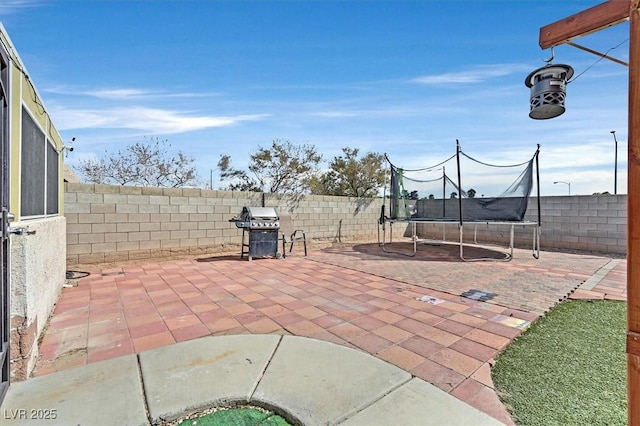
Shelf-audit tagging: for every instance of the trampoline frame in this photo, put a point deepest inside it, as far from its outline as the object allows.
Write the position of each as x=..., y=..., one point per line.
x=412, y=223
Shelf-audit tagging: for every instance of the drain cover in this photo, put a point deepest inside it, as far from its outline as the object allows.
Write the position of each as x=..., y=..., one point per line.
x=480, y=295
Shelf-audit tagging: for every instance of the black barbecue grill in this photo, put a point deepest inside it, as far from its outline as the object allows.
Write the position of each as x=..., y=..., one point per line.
x=260, y=227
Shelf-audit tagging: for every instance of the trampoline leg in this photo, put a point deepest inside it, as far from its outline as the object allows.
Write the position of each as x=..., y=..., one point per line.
x=511, y=247
x=384, y=235
x=384, y=239
x=536, y=242
x=507, y=256
x=414, y=237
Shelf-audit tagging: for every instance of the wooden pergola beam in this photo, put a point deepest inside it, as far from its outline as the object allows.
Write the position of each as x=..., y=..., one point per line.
x=633, y=221
x=586, y=22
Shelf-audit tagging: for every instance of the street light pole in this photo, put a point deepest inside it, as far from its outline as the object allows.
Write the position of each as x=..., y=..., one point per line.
x=566, y=183
x=211, y=179
x=615, y=173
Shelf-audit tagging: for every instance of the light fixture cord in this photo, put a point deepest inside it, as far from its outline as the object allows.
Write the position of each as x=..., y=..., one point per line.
x=598, y=60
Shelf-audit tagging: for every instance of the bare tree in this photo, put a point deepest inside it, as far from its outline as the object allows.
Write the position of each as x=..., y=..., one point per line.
x=145, y=163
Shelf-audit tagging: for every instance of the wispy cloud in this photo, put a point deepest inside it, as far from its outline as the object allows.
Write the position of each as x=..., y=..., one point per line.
x=337, y=114
x=125, y=93
x=151, y=120
x=120, y=93
x=12, y=6
x=477, y=74
x=387, y=112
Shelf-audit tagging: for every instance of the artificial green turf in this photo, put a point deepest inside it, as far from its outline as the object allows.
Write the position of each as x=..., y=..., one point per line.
x=568, y=368
x=238, y=417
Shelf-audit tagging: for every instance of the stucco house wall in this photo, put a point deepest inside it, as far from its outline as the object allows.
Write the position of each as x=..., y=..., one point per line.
x=38, y=252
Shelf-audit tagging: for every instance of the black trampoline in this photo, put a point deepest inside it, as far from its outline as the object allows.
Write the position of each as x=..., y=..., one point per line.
x=476, y=196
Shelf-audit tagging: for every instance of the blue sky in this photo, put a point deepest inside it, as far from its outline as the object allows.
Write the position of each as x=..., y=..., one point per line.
x=401, y=77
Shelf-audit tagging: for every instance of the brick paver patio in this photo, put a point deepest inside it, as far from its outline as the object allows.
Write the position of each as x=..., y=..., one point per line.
x=407, y=311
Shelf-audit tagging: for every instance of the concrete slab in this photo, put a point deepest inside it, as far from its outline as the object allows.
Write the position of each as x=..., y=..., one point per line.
x=595, y=279
x=203, y=372
x=107, y=392
x=321, y=383
x=418, y=402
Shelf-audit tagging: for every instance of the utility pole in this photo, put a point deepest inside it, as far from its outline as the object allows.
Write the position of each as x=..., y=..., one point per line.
x=594, y=19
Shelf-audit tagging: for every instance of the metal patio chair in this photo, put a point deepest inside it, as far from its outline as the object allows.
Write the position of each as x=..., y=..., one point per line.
x=290, y=235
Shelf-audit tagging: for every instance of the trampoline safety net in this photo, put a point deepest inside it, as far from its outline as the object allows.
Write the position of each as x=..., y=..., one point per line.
x=462, y=189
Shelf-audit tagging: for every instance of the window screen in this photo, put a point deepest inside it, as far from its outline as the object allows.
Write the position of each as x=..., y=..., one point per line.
x=52, y=179
x=33, y=168
x=4, y=130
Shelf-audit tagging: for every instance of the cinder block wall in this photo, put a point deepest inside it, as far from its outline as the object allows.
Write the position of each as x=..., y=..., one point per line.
x=597, y=222
x=118, y=223
x=590, y=222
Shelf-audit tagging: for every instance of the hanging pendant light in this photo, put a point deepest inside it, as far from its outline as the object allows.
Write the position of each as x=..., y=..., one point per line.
x=548, y=90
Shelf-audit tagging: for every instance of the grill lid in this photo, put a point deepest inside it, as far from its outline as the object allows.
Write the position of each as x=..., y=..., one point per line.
x=257, y=218
x=259, y=213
